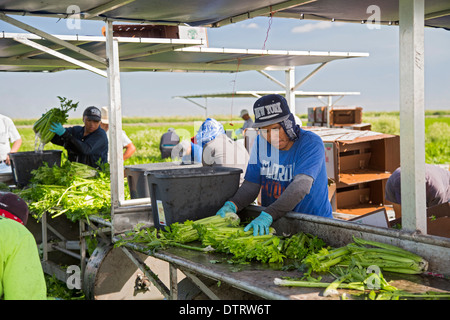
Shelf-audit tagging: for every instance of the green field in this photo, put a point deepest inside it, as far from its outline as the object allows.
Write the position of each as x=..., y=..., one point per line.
x=146, y=132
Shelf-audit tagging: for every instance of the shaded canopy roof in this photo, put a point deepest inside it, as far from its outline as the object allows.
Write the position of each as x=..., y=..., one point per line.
x=259, y=93
x=218, y=13
x=153, y=54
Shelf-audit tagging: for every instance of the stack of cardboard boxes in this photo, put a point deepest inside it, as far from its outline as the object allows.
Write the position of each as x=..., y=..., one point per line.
x=339, y=117
x=359, y=162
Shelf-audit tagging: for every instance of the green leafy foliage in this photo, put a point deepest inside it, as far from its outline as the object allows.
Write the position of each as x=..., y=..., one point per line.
x=74, y=189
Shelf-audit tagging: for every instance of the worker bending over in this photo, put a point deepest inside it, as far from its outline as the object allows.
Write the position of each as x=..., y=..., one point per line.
x=218, y=150
x=286, y=163
x=87, y=144
x=437, y=187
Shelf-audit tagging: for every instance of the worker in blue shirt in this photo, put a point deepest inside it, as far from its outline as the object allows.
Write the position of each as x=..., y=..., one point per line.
x=87, y=144
x=287, y=164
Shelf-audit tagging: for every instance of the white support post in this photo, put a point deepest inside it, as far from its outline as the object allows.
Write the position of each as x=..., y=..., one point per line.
x=412, y=119
x=115, y=119
x=290, y=84
x=328, y=113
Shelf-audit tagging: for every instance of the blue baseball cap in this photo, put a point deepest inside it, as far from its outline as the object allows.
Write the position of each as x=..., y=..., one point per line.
x=270, y=109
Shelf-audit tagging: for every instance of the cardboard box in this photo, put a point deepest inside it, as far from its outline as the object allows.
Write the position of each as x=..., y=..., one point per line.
x=311, y=114
x=359, y=126
x=332, y=194
x=320, y=114
x=345, y=115
x=438, y=220
x=353, y=156
x=146, y=31
x=362, y=198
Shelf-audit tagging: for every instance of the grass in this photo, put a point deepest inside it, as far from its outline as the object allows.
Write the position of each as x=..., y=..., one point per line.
x=437, y=132
x=145, y=132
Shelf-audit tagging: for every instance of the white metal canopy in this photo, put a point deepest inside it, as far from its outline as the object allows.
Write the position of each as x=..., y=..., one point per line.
x=17, y=53
x=258, y=93
x=218, y=13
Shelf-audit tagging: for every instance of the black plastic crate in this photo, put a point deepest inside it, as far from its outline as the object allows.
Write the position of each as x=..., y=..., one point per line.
x=137, y=181
x=190, y=194
x=22, y=163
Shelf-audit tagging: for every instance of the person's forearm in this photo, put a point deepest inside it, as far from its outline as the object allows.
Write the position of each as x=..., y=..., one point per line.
x=16, y=145
x=129, y=150
x=245, y=195
x=291, y=196
x=14, y=148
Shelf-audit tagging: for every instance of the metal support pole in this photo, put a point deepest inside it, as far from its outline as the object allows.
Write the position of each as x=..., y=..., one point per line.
x=290, y=84
x=147, y=272
x=412, y=119
x=115, y=120
x=328, y=112
x=44, y=236
x=173, y=282
x=310, y=75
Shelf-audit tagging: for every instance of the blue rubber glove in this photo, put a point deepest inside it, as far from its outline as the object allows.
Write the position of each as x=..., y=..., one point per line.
x=227, y=207
x=57, y=128
x=260, y=224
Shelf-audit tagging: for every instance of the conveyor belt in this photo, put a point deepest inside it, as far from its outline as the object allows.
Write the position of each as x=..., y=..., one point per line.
x=257, y=278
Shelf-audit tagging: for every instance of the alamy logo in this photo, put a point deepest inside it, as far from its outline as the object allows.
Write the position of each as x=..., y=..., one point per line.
x=74, y=18
x=74, y=280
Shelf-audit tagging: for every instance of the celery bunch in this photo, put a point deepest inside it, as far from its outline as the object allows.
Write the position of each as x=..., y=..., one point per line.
x=368, y=253
x=42, y=126
x=188, y=231
x=242, y=245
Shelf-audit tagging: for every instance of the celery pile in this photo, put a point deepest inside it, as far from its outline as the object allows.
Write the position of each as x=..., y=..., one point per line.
x=359, y=266
x=367, y=253
x=225, y=235
x=73, y=189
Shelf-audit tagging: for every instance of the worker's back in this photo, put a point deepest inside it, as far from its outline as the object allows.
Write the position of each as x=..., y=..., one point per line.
x=168, y=141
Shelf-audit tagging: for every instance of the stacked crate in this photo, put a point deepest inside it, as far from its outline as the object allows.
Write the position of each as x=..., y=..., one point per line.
x=339, y=117
x=360, y=162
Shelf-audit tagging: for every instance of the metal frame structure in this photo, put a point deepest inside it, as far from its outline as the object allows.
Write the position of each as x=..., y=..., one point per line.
x=257, y=94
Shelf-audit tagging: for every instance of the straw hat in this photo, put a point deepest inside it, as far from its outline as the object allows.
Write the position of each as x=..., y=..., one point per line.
x=105, y=115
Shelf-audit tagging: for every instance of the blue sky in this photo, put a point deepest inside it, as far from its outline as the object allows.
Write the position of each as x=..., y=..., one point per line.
x=27, y=95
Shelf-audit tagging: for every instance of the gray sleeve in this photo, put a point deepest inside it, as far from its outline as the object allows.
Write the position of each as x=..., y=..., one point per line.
x=291, y=196
x=245, y=195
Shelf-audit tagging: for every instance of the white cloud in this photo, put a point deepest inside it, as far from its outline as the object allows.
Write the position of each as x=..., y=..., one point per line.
x=250, y=26
x=315, y=26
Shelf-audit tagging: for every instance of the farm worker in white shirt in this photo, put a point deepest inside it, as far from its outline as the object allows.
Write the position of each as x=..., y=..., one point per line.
x=8, y=135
